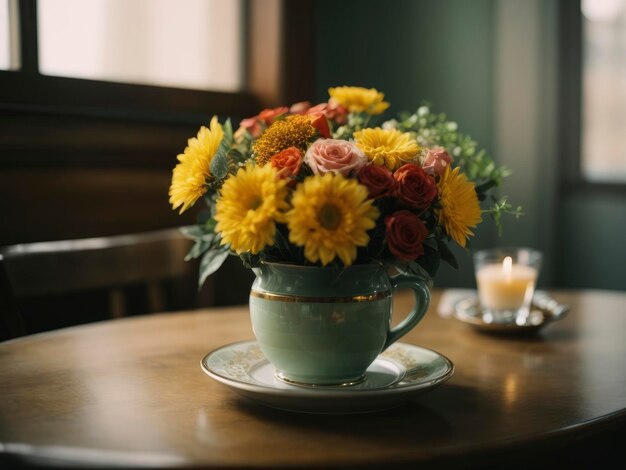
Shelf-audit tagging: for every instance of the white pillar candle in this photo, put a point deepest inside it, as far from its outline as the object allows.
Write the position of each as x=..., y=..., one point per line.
x=505, y=286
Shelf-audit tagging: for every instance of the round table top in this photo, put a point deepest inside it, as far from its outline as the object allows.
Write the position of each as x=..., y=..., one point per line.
x=131, y=392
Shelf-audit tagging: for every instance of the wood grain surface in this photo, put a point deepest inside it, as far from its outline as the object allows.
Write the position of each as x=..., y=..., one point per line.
x=131, y=392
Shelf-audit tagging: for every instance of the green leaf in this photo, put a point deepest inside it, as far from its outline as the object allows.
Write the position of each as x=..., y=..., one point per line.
x=219, y=164
x=481, y=188
x=237, y=156
x=200, y=232
x=446, y=254
x=198, y=249
x=249, y=260
x=211, y=262
x=227, y=127
x=431, y=242
x=192, y=231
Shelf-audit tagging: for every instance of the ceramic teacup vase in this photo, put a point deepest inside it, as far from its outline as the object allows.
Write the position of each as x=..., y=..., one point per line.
x=325, y=325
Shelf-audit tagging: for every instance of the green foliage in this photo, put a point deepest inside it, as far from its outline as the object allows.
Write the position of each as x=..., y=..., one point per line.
x=219, y=163
x=502, y=206
x=208, y=245
x=355, y=122
x=211, y=262
x=432, y=129
x=413, y=268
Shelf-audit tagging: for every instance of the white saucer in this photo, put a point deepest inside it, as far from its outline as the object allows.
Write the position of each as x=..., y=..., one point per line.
x=544, y=310
x=395, y=378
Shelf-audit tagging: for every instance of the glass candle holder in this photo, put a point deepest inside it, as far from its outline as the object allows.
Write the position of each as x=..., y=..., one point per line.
x=506, y=279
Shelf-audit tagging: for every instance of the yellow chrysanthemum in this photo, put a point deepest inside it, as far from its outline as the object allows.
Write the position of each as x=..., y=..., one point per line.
x=249, y=205
x=295, y=131
x=359, y=100
x=330, y=217
x=460, y=209
x=388, y=147
x=191, y=173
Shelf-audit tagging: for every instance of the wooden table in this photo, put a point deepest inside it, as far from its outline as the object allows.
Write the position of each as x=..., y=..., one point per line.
x=131, y=392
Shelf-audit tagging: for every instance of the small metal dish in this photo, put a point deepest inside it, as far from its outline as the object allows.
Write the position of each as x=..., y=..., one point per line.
x=544, y=310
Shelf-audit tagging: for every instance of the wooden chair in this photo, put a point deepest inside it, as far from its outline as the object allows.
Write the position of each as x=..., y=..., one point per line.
x=108, y=265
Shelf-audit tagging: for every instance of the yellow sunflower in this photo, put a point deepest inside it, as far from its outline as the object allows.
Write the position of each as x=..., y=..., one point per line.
x=295, y=131
x=359, y=100
x=249, y=205
x=460, y=209
x=190, y=175
x=388, y=147
x=330, y=217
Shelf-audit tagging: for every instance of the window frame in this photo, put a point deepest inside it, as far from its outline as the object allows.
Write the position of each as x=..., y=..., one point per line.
x=27, y=89
x=278, y=69
x=571, y=105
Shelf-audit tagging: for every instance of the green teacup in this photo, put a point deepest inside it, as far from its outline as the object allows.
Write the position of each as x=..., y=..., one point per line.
x=325, y=326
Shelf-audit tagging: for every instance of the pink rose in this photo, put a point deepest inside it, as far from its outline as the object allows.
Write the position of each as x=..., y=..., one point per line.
x=437, y=159
x=338, y=156
x=252, y=125
x=299, y=108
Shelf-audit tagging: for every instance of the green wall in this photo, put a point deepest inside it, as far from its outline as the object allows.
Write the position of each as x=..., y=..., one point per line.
x=593, y=251
x=438, y=51
x=463, y=56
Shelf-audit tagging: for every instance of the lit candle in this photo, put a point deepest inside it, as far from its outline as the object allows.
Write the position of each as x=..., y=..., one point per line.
x=505, y=286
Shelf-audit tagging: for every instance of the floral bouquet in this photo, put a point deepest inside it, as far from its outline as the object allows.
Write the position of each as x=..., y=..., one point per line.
x=320, y=185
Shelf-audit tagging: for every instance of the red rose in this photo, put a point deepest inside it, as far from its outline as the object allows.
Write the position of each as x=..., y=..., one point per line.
x=321, y=124
x=378, y=180
x=287, y=162
x=415, y=188
x=268, y=115
x=405, y=235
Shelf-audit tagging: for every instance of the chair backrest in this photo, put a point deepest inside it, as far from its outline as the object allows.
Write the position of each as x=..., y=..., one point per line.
x=106, y=263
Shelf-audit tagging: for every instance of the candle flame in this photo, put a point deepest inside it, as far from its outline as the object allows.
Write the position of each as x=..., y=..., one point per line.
x=507, y=267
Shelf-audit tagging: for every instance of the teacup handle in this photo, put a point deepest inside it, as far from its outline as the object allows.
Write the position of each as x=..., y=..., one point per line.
x=422, y=300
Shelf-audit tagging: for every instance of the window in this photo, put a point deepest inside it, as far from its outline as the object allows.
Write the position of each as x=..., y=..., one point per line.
x=94, y=134
x=9, y=56
x=603, y=151
x=191, y=44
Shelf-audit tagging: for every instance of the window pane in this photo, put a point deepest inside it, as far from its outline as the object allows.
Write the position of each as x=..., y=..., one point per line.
x=604, y=90
x=184, y=44
x=9, y=56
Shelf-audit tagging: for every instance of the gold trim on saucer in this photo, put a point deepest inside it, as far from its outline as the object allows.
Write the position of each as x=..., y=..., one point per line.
x=326, y=300
x=280, y=376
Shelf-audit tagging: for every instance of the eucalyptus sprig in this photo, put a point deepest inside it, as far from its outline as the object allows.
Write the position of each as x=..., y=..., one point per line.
x=502, y=206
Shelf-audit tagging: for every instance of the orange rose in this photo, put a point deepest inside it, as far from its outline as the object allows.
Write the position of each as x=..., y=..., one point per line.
x=332, y=110
x=268, y=115
x=321, y=124
x=288, y=163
